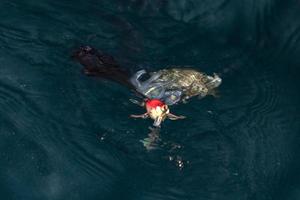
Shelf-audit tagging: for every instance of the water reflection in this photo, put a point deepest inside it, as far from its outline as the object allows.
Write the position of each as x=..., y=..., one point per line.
x=171, y=150
x=153, y=141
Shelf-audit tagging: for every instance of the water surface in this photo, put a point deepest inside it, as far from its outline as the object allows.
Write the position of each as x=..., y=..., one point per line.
x=67, y=136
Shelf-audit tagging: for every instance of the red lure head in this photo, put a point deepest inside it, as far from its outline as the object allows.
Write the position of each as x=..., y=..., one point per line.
x=153, y=103
x=157, y=110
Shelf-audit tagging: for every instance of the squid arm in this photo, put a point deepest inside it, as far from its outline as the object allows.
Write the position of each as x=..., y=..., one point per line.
x=144, y=116
x=175, y=117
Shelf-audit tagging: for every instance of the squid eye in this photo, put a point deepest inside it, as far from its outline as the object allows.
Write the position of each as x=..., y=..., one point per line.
x=172, y=97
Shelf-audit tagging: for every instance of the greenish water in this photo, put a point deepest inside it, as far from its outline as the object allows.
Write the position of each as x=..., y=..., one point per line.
x=67, y=136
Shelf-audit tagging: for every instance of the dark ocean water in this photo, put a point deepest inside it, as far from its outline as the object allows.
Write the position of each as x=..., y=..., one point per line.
x=64, y=136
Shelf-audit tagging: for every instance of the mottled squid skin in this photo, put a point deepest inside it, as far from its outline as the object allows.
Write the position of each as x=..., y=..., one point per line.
x=170, y=85
x=176, y=84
